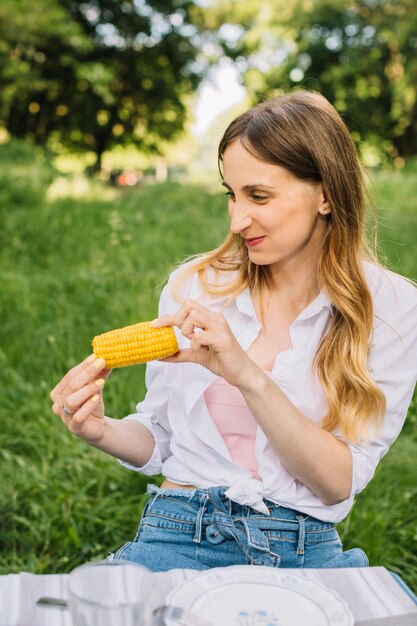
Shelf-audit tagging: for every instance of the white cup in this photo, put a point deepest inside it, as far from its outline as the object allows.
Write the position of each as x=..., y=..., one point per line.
x=111, y=593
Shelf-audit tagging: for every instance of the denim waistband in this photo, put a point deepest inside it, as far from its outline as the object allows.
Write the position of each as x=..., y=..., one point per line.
x=216, y=510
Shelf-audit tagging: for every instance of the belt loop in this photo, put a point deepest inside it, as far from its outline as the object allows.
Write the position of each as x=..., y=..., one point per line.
x=199, y=520
x=301, y=534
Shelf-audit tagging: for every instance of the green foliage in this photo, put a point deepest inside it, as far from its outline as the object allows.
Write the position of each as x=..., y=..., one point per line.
x=394, y=195
x=382, y=521
x=93, y=74
x=25, y=175
x=73, y=268
x=361, y=54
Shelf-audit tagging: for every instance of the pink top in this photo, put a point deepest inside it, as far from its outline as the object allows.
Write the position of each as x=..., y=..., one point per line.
x=234, y=422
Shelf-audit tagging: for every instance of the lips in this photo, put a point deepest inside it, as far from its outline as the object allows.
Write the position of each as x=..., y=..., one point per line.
x=253, y=241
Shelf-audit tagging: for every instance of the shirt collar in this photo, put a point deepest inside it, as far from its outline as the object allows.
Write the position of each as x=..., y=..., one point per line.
x=245, y=305
x=318, y=304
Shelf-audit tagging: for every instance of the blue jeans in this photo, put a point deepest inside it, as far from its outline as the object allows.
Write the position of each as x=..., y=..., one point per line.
x=202, y=528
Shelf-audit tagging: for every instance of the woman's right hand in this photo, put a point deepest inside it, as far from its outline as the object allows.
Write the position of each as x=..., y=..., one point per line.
x=81, y=392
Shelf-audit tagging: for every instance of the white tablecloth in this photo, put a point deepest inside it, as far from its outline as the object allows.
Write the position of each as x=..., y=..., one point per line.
x=370, y=593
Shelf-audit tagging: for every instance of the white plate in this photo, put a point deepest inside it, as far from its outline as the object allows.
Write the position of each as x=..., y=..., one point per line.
x=260, y=596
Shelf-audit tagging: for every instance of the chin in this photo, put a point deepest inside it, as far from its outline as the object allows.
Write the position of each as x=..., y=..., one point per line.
x=259, y=259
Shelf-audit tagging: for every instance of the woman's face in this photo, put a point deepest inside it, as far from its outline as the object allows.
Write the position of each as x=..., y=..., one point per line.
x=281, y=218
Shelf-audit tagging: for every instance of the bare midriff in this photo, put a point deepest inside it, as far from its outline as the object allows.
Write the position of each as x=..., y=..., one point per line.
x=167, y=484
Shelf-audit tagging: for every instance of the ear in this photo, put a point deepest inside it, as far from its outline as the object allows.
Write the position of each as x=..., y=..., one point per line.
x=324, y=206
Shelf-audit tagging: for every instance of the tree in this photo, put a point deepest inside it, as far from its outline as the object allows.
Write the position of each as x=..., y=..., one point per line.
x=362, y=55
x=94, y=73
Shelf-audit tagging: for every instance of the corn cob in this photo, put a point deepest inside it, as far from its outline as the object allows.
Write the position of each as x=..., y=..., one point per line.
x=135, y=344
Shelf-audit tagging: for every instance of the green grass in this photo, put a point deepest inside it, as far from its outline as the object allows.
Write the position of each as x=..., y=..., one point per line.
x=72, y=268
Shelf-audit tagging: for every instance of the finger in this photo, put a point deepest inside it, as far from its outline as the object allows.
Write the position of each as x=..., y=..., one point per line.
x=197, y=346
x=185, y=355
x=163, y=320
x=188, y=328
x=105, y=373
x=178, y=318
x=195, y=343
x=83, y=412
x=85, y=376
x=58, y=410
x=74, y=401
x=71, y=373
x=181, y=316
x=199, y=322
x=216, y=340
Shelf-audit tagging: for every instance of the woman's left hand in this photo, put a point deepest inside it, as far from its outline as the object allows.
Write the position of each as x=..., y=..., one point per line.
x=213, y=344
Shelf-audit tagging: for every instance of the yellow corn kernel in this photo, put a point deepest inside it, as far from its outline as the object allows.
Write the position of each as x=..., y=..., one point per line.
x=135, y=344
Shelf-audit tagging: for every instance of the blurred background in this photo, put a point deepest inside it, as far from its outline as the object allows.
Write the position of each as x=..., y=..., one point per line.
x=126, y=84
x=110, y=115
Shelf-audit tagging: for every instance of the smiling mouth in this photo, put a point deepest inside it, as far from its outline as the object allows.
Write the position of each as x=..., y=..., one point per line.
x=253, y=241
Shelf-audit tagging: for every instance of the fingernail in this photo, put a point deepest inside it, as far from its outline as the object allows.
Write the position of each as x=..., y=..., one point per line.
x=91, y=358
x=99, y=363
x=99, y=382
x=95, y=397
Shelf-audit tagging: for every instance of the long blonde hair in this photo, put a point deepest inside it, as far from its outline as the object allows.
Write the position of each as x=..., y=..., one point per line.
x=302, y=132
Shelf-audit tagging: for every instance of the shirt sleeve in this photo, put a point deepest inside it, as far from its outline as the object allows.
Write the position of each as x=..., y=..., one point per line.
x=152, y=411
x=393, y=366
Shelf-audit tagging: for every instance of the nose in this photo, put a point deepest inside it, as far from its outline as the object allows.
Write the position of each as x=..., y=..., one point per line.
x=239, y=218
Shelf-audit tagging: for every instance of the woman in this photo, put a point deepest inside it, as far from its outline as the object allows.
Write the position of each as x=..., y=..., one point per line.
x=296, y=367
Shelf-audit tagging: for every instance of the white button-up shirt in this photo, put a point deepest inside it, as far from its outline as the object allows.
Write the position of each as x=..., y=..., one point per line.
x=189, y=449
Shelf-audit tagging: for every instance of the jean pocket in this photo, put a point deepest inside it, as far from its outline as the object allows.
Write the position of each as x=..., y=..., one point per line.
x=142, y=519
x=121, y=552
x=166, y=524
x=355, y=557
x=324, y=554
x=172, y=508
x=364, y=556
